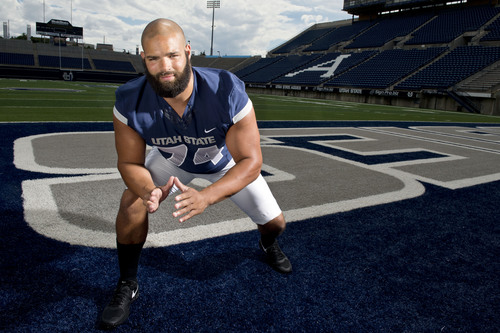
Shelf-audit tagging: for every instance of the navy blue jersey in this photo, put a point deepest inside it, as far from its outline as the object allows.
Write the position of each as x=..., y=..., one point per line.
x=196, y=142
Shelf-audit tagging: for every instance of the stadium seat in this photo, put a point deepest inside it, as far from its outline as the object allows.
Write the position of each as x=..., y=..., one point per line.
x=450, y=24
x=385, y=69
x=454, y=67
x=17, y=59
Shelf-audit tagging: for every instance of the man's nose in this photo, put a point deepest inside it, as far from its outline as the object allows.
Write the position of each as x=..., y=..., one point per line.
x=166, y=64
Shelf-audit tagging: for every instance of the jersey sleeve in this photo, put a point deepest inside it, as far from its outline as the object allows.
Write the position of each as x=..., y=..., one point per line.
x=120, y=110
x=119, y=116
x=238, y=98
x=126, y=97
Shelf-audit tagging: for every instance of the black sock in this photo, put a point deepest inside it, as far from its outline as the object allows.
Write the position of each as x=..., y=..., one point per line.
x=267, y=240
x=128, y=260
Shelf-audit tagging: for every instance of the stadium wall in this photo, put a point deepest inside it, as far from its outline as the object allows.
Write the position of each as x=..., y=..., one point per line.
x=67, y=75
x=425, y=100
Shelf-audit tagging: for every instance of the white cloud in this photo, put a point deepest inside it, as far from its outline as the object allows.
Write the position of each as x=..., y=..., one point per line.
x=241, y=27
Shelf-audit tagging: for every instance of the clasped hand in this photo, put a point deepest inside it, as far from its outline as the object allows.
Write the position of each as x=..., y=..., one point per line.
x=188, y=204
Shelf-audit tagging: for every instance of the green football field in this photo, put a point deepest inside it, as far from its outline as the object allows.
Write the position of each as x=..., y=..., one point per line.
x=38, y=100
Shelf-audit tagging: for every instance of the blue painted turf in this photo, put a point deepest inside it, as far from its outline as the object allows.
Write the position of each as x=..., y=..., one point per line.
x=428, y=264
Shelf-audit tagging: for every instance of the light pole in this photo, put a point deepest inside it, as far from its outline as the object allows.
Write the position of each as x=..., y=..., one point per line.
x=213, y=4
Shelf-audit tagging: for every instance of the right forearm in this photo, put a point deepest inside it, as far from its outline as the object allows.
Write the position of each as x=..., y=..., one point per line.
x=137, y=178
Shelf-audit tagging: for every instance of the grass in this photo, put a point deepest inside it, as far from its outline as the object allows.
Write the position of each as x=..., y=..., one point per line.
x=38, y=100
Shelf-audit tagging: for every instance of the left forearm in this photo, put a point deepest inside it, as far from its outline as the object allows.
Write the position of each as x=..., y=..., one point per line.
x=240, y=175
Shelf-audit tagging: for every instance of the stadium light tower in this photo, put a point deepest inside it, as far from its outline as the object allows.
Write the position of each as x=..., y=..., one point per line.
x=213, y=4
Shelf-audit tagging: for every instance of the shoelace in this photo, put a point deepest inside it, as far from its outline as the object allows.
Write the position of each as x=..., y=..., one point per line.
x=122, y=294
x=275, y=251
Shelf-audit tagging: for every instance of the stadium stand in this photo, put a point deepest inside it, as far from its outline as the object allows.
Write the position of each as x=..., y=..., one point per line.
x=483, y=81
x=338, y=35
x=113, y=65
x=452, y=68
x=318, y=71
x=257, y=66
x=306, y=38
x=385, y=68
x=63, y=62
x=493, y=31
x=424, y=56
x=278, y=68
x=26, y=59
x=422, y=53
x=450, y=24
x=388, y=29
x=17, y=59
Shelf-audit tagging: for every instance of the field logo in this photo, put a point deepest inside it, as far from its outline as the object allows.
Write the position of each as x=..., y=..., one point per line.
x=312, y=172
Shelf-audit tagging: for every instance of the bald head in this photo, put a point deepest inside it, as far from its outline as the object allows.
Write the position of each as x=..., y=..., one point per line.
x=162, y=27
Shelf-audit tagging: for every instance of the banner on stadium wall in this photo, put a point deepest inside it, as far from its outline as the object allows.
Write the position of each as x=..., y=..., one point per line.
x=353, y=91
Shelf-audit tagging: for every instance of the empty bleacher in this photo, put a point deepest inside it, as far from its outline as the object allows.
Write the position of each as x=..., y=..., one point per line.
x=388, y=29
x=452, y=68
x=20, y=59
x=385, y=69
x=308, y=37
x=450, y=24
x=113, y=65
x=433, y=50
x=279, y=68
x=64, y=62
x=230, y=63
x=287, y=64
x=493, y=31
x=338, y=35
x=16, y=46
x=434, y=47
x=257, y=66
x=318, y=71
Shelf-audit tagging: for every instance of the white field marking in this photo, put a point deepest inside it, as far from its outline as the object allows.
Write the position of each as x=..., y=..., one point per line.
x=471, y=131
x=54, y=107
x=432, y=130
x=42, y=214
x=276, y=176
x=359, y=138
x=24, y=157
x=490, y=128
x=387, y=131
x=419, y=111
x=454, y=184
x=329, y=103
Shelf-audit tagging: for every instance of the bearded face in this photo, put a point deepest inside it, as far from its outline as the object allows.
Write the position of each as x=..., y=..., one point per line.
x=173, y=88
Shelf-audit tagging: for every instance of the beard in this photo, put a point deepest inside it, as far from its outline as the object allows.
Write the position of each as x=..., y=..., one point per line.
x=170, y=89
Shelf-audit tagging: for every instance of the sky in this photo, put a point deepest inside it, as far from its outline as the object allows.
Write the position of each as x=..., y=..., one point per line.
x=244, y=28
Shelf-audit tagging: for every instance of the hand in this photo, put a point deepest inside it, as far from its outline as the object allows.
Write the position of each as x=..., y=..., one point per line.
x=189, y=203
x=157, y=195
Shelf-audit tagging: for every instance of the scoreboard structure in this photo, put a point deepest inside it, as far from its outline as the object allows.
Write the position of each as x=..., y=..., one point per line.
x=59, y=28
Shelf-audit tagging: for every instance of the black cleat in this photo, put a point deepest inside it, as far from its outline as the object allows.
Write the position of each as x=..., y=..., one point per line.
x=276, y=258
x=118, y=309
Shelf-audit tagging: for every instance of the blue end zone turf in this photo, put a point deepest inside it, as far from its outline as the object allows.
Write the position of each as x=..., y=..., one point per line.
x=427, y=264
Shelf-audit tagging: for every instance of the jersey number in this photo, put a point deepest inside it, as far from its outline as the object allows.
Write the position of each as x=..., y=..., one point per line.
x=202, y=155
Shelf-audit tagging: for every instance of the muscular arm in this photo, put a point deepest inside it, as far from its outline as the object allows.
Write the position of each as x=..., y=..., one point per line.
x=131, y=150
x=243, y=142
